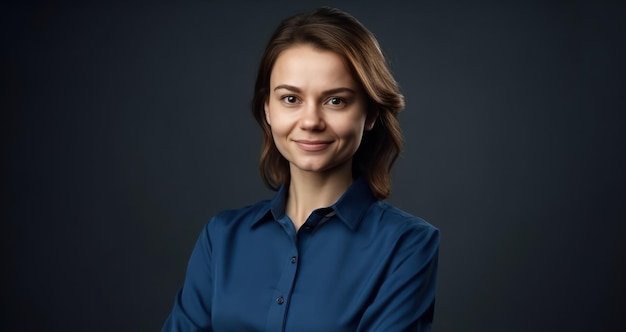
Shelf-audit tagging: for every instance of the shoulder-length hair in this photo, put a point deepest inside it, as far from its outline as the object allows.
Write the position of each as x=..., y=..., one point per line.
x=336, y=31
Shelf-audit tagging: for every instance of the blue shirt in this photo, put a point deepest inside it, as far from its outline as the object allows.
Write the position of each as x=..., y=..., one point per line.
x=359, y=265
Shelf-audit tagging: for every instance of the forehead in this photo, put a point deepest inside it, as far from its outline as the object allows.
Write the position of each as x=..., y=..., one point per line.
x=305, y=66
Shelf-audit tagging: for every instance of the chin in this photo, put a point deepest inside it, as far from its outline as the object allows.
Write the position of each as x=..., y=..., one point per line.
x=311, y=168
x=317, y=167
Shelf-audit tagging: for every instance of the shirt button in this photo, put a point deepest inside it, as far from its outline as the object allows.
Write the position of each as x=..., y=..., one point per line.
x=280, y=300
x=293, y=259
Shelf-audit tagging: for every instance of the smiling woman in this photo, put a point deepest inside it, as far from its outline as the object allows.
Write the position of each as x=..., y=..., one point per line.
x=317, y=114
x=326, y=253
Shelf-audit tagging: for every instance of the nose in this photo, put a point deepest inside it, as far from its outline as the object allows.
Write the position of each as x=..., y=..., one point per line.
x=312, y=118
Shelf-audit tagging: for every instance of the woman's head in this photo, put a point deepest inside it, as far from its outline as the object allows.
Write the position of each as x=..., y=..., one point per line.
x=328, y=29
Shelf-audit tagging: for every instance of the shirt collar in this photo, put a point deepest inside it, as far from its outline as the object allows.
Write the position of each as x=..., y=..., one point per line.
x=350, y=207
x=353, y=204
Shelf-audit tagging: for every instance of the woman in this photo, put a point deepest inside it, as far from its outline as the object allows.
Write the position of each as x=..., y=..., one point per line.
x=326, y=253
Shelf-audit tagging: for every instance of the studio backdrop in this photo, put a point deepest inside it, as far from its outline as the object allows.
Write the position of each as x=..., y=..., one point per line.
x=127, y=125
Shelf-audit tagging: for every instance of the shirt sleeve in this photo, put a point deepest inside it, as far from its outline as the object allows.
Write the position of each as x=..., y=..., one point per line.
x=406, y=297
x=192, y=306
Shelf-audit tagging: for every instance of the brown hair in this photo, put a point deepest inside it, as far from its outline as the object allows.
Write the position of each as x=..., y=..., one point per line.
x=334, y=30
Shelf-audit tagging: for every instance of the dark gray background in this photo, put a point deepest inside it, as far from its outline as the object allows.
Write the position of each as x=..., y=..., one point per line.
x=126, y=126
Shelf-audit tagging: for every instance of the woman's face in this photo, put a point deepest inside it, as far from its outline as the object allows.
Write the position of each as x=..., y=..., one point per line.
x=316, y=110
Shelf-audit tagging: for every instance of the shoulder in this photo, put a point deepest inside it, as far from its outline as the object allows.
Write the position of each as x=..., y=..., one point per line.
x=246, y=215
x=247, y=212
x=396, y=222
x=396, y=217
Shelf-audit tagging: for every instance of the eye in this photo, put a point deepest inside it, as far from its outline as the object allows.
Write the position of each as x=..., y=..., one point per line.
x=336, y=101
x=290, y=99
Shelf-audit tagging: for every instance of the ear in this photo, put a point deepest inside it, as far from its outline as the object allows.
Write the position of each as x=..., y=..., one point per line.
x=266, y=107
x=370, y=121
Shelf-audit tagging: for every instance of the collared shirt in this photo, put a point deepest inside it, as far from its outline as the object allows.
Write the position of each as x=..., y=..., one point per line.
x=358, y=265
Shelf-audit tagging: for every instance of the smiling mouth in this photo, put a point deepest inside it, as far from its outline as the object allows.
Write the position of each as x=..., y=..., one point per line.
x=313, y=145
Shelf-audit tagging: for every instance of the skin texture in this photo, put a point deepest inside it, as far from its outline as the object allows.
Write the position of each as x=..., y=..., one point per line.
x=317, y=114
x=314, y=128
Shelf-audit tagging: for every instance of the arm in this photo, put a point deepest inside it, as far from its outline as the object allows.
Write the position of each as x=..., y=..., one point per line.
x=406, y=298
x=192, y=306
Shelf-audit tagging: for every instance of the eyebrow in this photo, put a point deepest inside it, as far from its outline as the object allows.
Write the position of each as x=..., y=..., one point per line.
x=327, y=92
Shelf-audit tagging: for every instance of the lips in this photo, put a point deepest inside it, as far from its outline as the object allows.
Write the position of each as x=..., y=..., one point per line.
x=316, y=145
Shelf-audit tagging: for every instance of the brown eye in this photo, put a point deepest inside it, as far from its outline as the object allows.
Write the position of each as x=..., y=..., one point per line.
x=290, y=99
x=335, y=101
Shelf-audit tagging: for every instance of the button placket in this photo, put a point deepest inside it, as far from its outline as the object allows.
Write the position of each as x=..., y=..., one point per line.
x=276, y=316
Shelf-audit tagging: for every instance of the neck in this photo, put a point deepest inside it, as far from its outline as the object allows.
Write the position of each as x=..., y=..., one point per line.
x=313, y=190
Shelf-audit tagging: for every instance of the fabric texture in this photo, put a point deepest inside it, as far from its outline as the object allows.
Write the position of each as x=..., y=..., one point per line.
x=358, y=265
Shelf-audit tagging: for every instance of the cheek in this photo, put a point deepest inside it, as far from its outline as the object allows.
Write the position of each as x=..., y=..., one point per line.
x=351, y=135
x=274, y=121
x=351, y=128
x=279, y=126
